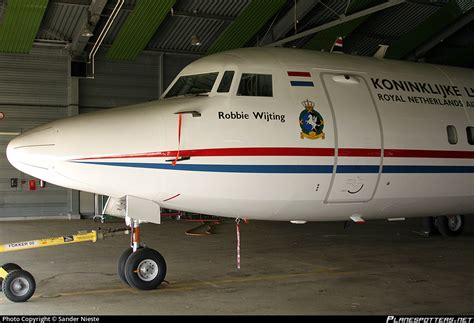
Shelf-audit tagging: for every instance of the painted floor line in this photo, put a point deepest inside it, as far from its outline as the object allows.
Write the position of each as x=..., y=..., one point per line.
x=194, y=285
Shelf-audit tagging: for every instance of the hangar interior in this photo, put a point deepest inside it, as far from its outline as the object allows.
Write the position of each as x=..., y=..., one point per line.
x=61, y=58
x=46, y=52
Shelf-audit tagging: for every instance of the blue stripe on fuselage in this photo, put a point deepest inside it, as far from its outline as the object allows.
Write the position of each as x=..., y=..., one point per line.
x=410, y=169
x=279, y=169
x=293, y=169
x=301, y=83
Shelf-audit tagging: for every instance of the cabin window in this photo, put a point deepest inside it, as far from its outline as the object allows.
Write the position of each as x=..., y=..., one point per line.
x=470, y=135
x=452, y=134
x=193, y=85
x=226, y=82
x=255, y=85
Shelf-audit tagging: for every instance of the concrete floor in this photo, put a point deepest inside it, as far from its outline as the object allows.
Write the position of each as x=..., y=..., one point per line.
x=317, y=268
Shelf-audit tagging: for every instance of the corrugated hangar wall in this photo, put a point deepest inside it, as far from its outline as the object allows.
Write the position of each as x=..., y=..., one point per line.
x=121, y=83
x=34, y=89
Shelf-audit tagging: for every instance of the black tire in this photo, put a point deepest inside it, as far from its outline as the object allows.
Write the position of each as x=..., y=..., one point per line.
x=450, y=226
x=8, y=267
x=121, y=264
x=19, y=286
x=145, y=269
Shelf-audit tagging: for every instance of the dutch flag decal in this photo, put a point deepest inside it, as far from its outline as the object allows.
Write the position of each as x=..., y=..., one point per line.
x=300, y=78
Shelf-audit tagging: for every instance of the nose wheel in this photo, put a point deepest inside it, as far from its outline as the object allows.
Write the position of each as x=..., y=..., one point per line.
x=145, y=269
x=141, y=268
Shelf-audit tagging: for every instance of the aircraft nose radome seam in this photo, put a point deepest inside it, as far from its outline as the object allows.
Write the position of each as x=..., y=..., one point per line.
x=32, y=149
x=37, y=137
x=35, y=166
x=31, y=146
x=38, y=156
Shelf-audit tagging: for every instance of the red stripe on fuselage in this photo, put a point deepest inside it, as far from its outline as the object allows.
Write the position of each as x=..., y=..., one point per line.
x=408, y=153
x=405, y=153
x=358, y=152
x=299, y=74
x=230, y=152
x=293, y=151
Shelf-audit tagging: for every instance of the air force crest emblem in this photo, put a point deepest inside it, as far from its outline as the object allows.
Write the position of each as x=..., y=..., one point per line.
x=311, y=122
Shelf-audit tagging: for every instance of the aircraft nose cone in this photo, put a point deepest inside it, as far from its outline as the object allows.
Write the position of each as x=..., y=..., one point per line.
x=32, y=149
x=10, y=152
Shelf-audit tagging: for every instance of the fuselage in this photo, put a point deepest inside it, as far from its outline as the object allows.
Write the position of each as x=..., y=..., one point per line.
x=283, y=135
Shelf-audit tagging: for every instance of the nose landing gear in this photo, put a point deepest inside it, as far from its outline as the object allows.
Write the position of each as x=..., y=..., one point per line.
x=141, y=267
x=447, y=226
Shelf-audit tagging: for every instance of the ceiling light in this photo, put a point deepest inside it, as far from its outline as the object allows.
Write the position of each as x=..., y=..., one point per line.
x=87, y=32
x=195, y=41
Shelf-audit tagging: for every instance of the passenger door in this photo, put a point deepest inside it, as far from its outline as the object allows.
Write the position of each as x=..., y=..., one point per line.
x=358, y=139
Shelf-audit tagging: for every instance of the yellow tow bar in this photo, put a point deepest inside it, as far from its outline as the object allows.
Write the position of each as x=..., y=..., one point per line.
x=17, y=284
x=49, y=242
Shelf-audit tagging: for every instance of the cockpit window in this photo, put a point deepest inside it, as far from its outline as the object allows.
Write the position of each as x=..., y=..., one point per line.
x=193, y=85
x=226, y=82
x=255, y=85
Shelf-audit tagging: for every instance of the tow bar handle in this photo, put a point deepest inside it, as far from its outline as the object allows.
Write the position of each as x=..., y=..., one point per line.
x=81, y=236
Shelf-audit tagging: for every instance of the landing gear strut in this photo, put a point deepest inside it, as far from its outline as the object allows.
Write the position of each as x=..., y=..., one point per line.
x=140, y=267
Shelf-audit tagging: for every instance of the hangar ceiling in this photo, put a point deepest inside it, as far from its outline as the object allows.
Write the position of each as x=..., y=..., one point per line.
x=438, y=31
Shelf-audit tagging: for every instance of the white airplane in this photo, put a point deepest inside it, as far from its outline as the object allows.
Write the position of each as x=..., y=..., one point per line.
x=272, y=134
